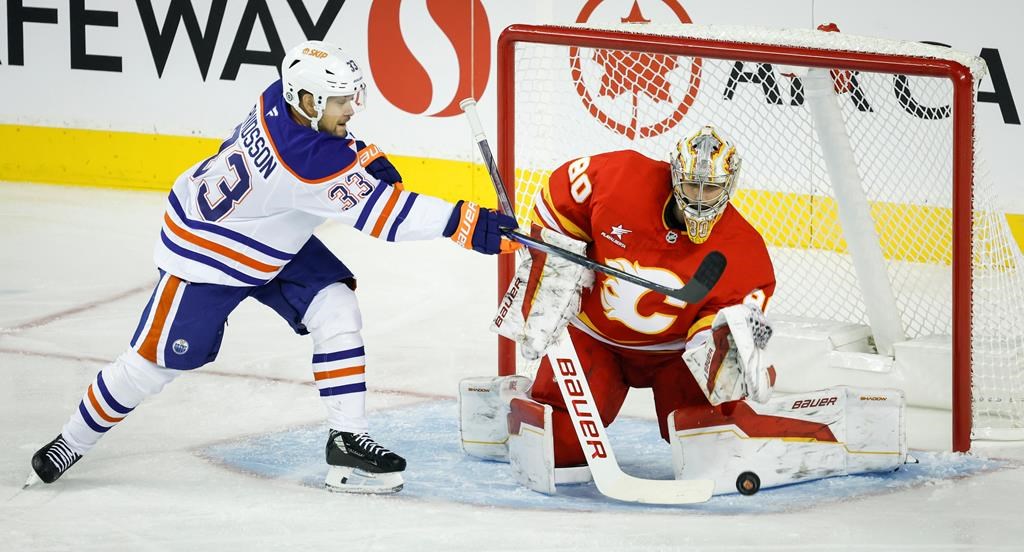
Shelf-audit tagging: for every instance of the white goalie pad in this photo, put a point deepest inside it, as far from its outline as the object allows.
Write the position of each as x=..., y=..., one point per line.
x=745, y=446
x=483, y=409
x=543, y=296
x=732, y=363
x=531, y=449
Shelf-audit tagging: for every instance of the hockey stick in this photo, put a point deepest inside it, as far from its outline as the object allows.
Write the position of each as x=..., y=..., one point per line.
x=707, y=274
x=705, y=277
x=590, y=430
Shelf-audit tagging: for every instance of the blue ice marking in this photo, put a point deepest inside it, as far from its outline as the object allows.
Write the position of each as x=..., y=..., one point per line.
x=427, y=435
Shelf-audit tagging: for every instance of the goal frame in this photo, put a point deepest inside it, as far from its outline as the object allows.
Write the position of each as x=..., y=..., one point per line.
x=962, y=81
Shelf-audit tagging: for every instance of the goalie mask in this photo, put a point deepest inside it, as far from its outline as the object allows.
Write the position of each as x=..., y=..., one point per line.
x=705, y=166
x=325, y=71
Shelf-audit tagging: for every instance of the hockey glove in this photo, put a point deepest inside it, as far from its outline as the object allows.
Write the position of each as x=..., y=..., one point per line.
x=543, y=296
x=731, y=362
x=479, y=228
x=377, y=164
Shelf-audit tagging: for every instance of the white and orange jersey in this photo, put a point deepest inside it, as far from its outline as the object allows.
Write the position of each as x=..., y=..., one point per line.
x=238, y=217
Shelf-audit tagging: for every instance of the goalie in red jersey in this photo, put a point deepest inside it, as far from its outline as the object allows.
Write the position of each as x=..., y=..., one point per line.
x=705, y=361
x=656, y=220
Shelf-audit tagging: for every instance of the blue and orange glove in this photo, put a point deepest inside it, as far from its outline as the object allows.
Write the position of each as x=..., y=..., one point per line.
x=479, y=228
x=377, y=164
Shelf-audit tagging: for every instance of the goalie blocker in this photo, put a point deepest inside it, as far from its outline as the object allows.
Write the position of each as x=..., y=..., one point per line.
x=544, y=295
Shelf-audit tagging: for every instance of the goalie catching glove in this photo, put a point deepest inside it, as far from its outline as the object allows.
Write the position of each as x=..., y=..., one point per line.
x=731, y=364
x=543, y=296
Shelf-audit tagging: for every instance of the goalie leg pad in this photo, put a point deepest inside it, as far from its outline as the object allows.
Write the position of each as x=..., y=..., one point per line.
x=802, y=437
x=483, y=408
x=531, y=449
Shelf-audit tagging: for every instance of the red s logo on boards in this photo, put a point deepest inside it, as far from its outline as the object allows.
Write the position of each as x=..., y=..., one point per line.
x=403, y=80
x=647, y=74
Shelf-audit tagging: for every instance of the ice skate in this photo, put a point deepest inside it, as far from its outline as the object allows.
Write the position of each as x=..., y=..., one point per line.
x=359, y=465
x=51, y=461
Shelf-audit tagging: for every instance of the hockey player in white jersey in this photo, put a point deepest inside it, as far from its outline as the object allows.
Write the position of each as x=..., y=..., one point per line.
x=240, y=224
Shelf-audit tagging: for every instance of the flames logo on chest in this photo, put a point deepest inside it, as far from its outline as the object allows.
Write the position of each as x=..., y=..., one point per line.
x=621, y=300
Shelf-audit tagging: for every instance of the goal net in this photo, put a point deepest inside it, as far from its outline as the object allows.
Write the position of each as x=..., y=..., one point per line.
x=895, y=266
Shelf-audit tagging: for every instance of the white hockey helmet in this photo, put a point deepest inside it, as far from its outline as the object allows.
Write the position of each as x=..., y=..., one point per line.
x=324, y=70
x=705, y=166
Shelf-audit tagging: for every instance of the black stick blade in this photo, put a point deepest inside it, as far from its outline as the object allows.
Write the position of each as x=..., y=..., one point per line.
x=707, y=275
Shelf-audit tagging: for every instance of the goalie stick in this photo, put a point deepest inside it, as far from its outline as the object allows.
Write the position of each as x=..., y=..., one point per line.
x=705, y=277
x=590, y=430
x=609, y=478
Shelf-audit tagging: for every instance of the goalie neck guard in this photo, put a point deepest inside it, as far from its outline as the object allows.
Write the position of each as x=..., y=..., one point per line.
x=705, y=166
x=324, y=70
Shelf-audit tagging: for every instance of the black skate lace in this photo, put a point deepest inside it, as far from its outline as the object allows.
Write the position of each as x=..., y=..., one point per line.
x=61, y=455
x=370, y=446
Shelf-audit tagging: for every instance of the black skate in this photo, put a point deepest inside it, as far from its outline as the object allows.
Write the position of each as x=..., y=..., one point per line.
x=359, y=465
x=51, y=461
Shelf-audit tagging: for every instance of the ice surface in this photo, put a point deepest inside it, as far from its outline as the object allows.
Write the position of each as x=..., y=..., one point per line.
x=226, y=458
x=426, y=433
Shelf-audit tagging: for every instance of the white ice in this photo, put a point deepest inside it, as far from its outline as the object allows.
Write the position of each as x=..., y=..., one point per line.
x=75, y=273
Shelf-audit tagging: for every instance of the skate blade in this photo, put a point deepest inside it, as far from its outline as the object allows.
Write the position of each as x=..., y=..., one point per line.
x=343, y=479
x=32, y=480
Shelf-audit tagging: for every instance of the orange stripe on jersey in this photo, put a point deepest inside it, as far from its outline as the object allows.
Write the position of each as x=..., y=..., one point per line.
x=340, y=372
x=700, y=325
x=217, y=248
x=163, y=307
x=99, y=410
x=270, y=138
x=383, y=218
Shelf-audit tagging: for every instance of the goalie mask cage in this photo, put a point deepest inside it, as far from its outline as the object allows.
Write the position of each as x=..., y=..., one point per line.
x=859, y=170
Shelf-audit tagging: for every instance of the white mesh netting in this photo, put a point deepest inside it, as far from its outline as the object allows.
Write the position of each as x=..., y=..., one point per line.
x=574, y=101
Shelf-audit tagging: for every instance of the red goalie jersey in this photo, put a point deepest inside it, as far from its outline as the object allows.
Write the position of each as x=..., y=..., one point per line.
x=620, y=203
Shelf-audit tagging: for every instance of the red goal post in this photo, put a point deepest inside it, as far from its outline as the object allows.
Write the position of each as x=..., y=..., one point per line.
x=728, y=73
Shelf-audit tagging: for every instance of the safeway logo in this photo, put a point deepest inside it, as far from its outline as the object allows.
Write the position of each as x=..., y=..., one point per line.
x=646, y=103
x=415, y=71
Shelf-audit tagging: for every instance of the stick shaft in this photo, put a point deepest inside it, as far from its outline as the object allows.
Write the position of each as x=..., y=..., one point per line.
x=469, y=108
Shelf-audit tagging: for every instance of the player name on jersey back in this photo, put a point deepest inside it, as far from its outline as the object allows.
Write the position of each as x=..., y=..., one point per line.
x=256, y=146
